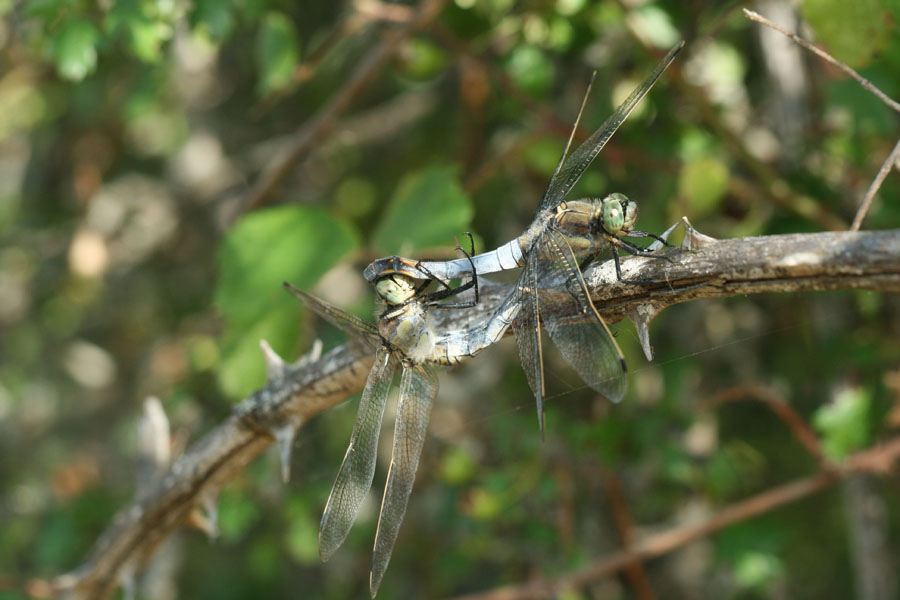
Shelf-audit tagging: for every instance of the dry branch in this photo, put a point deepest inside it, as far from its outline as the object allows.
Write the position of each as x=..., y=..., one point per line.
x=294, y=394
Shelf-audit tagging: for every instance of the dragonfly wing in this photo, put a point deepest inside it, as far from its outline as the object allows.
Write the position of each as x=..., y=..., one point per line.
x=527, y=328
x=349, y=323
x=565, y=179
x=355, y=476
x=575, y=326
x=418, y=389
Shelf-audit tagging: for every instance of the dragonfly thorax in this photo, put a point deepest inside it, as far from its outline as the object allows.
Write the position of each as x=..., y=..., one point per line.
x=407, y=329
x=395, y=288
x=618, y=214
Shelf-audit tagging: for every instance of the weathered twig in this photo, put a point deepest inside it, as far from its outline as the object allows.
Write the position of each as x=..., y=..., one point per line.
x=886, y=167
x=866, y=85
x=776, y=189
x=872, y=460
x=296, y=393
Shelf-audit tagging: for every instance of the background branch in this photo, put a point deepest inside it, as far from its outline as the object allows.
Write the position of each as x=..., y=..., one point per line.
x=314, y=131
x=702, y=268
x=874, y=459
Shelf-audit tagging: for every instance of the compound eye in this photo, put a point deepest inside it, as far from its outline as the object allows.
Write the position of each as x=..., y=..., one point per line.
x=612, y=213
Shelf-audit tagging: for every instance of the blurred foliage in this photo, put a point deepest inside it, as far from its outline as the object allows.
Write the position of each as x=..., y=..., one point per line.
x=434, y=192
x=844, y=423
x=131, y=134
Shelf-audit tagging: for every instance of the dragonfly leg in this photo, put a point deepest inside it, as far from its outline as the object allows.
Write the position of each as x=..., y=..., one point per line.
x=636, y=250
x=434, y=298
x=469, y=256
x=640, y=234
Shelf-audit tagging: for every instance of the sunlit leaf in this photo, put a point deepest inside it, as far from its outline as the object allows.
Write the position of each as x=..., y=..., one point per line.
x=458, y=466
x=145, y=29
x=213, y=18
x=428, y=209
x=277, y=52
x=531, y=69
x=291, y=243
x=75, y=49
x=422, y=59
x=844, y=422
x=852, y=31
x=756, y=569
x=147, y=37
x=703, y=183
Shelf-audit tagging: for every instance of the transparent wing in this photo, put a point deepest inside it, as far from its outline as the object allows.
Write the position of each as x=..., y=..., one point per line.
x=348, y=323
x=527, y=328
x=418, y=389
x=355, y=476
x=573, y=322
x=566, y=178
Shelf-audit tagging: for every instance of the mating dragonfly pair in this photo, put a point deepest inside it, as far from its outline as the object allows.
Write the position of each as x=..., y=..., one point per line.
x=563, y=238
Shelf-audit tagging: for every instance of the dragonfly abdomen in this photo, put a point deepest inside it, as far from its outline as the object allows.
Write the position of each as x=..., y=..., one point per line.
x=455, y=346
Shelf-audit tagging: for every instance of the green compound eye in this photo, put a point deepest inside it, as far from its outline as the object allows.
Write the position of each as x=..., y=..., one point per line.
x=612, y=213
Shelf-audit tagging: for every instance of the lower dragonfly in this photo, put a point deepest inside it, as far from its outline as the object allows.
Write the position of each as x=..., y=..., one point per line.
x=403, y=337
x=563, y=238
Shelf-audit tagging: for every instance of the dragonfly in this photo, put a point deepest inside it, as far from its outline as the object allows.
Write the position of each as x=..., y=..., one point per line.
x=564, y=236
x=404, y=338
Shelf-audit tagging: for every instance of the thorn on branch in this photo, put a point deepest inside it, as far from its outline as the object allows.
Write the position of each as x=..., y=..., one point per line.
x=693, y=239
x=205, y=517
x=275, y=365
x=154, y=445
x=284, y=437
x=641, y=317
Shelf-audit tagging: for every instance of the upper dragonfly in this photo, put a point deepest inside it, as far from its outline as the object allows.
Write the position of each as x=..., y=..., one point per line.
x=563, y=237
x=404, y=336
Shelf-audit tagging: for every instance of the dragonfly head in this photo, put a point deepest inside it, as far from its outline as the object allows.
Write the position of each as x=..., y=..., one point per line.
x=395, y=288
x=618, y=214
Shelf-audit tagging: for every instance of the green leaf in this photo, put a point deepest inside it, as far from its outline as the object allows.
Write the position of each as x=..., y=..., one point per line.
x=290, y=243
x=302, y=535
x=45, y=9
x=427, y=210
x=277, y=52
x=703, y=182
x=844, y=422
x=422, y=59
x=237, y=513
x=531, y=69
x=852, y=31
x=241, y=369
x=214, y=19
x=74, y=49
x=757, y=569
x=147, y=37
x=146, y=29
